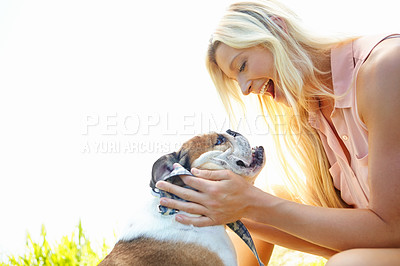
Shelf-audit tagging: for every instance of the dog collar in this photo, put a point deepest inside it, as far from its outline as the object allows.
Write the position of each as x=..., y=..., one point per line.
x=238, y=227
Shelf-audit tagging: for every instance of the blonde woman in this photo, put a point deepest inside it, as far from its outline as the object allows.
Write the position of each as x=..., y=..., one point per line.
x=340, y=99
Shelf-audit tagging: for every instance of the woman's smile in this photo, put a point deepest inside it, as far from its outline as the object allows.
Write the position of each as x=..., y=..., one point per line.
x=268, y=87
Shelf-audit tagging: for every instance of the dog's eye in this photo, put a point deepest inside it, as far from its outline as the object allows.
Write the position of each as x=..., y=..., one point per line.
x=221, y=139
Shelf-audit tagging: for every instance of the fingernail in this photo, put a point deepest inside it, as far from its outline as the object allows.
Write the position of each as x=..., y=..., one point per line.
x=163, y=201
x=195, y=171
x=178, y=219
x=159, y=185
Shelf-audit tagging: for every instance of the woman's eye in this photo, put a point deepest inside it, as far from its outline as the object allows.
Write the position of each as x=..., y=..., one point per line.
x=243, y=66
x=220, y=140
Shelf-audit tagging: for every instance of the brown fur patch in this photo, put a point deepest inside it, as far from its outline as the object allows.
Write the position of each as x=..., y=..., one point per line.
x=147, y=252
x=202, y=144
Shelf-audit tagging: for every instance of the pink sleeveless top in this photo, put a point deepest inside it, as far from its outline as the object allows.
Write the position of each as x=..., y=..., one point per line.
x=350, y=178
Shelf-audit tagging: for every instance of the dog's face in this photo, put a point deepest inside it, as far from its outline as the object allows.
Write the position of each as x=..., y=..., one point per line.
x=213, y=151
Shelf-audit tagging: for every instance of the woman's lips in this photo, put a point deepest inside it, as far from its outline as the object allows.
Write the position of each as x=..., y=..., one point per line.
x=268, y=88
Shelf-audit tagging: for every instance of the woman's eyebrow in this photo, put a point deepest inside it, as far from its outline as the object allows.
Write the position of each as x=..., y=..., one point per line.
x=233, y=60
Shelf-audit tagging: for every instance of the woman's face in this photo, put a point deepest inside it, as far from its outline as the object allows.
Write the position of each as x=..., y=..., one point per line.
x=253, y=68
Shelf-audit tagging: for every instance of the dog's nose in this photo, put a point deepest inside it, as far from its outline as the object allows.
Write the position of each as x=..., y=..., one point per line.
x=233, y=133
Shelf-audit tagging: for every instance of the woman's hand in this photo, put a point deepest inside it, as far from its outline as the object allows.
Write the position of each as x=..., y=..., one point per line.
x=222, y=197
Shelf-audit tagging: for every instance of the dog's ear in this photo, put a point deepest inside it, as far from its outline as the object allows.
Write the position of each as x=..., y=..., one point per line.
x=164, y=166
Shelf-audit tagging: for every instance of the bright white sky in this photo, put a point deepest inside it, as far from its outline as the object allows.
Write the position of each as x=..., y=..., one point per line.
x=93, y=92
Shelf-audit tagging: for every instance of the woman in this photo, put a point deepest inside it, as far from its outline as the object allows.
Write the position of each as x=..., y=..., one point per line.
x=339, y=98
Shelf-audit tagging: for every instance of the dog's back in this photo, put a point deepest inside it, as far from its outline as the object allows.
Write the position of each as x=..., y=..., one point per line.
x=145, y=251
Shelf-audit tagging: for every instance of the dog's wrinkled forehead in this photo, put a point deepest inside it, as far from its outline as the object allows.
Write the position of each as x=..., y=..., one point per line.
x=205, y=143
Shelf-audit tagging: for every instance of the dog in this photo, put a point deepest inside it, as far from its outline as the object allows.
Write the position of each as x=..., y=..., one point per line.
x=155, y=239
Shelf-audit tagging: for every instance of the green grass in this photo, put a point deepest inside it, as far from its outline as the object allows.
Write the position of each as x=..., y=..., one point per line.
x=75, y=249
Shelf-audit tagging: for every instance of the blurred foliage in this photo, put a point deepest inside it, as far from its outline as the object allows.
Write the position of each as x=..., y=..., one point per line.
x=75, y=249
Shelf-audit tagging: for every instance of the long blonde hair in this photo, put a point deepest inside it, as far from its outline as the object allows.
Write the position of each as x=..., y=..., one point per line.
x=299, y=76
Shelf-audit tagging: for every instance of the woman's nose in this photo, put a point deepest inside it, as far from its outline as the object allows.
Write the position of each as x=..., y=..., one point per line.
x=245, y=86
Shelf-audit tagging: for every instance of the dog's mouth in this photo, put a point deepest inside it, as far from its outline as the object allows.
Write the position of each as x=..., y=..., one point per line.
x=257, y=160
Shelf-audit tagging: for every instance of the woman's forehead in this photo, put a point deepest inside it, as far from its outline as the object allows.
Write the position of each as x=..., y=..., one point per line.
x=225, y=56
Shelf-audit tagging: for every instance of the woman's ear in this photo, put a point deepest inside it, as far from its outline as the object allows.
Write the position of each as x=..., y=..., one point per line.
x=280, y=22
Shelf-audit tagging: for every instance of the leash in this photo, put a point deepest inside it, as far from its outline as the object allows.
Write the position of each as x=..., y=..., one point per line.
x=238, y=227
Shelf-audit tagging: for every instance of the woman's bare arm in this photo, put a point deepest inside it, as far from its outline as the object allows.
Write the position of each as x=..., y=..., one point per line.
x=274, y=236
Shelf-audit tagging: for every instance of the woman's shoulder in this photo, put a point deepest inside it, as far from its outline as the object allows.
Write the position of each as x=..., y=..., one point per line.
x=386, y=52
x=381, y=66
x=378, y=80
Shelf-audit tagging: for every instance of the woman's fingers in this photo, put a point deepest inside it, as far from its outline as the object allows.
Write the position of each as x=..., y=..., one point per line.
x=218, y=197
x=204, y=180
x=191, y=208
x=184, y=193
x=216, y=175
x=188, y=207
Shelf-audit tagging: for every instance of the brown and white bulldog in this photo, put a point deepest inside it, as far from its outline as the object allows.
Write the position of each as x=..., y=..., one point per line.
x=154, y=239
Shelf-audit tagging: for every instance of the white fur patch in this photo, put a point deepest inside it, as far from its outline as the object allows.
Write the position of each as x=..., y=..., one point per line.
x=147, y=222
